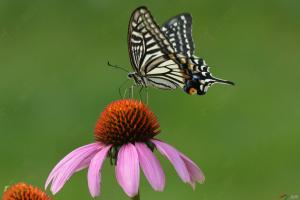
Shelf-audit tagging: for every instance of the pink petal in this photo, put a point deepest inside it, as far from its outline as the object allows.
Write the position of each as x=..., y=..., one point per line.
x=86, y=162
x=174, y=157
x=67, y=158
x=195, y=172
x=94, y=174
x=151, y=167
x=68, y=168
x=128, y=170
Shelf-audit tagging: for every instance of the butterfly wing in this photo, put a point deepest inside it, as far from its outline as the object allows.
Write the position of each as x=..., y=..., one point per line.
x=151, y=53
x=136, y=43
x=179, y=31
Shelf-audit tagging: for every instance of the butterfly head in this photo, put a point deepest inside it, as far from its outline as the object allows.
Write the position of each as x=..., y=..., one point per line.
x=136, y=77
x=131, y=75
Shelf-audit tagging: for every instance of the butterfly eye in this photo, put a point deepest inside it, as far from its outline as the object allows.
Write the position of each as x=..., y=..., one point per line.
x=130, y=75
x=192, y=91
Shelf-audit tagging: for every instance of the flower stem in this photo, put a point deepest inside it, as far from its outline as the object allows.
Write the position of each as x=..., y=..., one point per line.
x=136, y=197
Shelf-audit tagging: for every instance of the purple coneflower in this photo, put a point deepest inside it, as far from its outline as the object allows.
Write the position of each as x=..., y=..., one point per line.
x=25, y=192
x=125, y=133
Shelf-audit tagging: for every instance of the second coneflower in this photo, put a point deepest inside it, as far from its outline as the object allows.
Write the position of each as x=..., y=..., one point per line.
x=125, y=133
x=24, y=191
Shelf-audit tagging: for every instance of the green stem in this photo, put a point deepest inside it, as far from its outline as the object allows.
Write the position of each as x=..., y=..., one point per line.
x=137, y=197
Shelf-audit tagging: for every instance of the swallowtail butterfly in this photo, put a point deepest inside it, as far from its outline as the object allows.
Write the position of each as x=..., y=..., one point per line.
x=164, y=57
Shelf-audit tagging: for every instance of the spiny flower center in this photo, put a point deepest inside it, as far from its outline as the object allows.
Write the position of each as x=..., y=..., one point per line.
x=126, y=121
x=23, y=191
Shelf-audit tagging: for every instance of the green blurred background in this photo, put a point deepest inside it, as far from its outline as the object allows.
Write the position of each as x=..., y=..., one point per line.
x=54, y=83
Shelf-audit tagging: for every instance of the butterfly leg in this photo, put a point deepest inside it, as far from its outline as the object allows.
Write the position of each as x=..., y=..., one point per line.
x=132, y=92
x=146, y=92
x=140, y=93
x=120, y=89
x=147, y=96
x=125, y=91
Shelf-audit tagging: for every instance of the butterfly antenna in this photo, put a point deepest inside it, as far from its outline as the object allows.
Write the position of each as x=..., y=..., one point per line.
x=118, y=67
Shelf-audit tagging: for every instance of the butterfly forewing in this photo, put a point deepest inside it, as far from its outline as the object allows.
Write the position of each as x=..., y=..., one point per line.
x=150, y=52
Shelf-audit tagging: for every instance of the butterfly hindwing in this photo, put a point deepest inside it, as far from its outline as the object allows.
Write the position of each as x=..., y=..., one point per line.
x=179, y=31
x=150, y=51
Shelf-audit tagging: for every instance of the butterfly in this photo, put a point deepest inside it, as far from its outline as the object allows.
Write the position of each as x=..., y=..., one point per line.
x=164, y=57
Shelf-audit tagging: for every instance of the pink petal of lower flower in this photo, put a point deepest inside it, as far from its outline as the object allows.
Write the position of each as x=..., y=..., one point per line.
x=174, y=157
x=151, y=167
x=69, y=168
x=67, y=158
x=94, y=174
x=128, y=170
x=86, y=162
x=195, y=172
